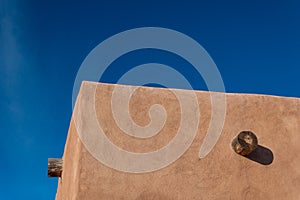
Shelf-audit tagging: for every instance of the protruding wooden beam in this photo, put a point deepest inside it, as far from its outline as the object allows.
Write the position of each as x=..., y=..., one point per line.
x=245, y=143
x=55, y=167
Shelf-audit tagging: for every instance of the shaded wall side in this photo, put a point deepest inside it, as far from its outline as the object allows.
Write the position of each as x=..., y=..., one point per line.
x=69, y=182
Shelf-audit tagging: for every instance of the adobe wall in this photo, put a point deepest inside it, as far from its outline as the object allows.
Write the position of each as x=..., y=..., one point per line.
x=273, y=173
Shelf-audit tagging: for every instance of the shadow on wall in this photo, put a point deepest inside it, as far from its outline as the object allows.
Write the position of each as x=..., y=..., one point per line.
x=261, y=155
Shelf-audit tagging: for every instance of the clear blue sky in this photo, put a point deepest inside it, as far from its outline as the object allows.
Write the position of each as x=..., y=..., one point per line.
x=255, y=44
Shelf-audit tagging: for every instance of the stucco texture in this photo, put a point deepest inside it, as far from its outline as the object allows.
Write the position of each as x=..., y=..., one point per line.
x=272, y=172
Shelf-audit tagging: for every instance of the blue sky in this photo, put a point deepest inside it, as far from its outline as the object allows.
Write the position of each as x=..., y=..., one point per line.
x=255, y=44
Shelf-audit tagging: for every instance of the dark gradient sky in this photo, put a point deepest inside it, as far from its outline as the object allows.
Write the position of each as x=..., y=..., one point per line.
x=255, y=44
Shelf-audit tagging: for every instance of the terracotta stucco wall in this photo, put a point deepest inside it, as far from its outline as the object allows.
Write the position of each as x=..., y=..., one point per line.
x=222, y=174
